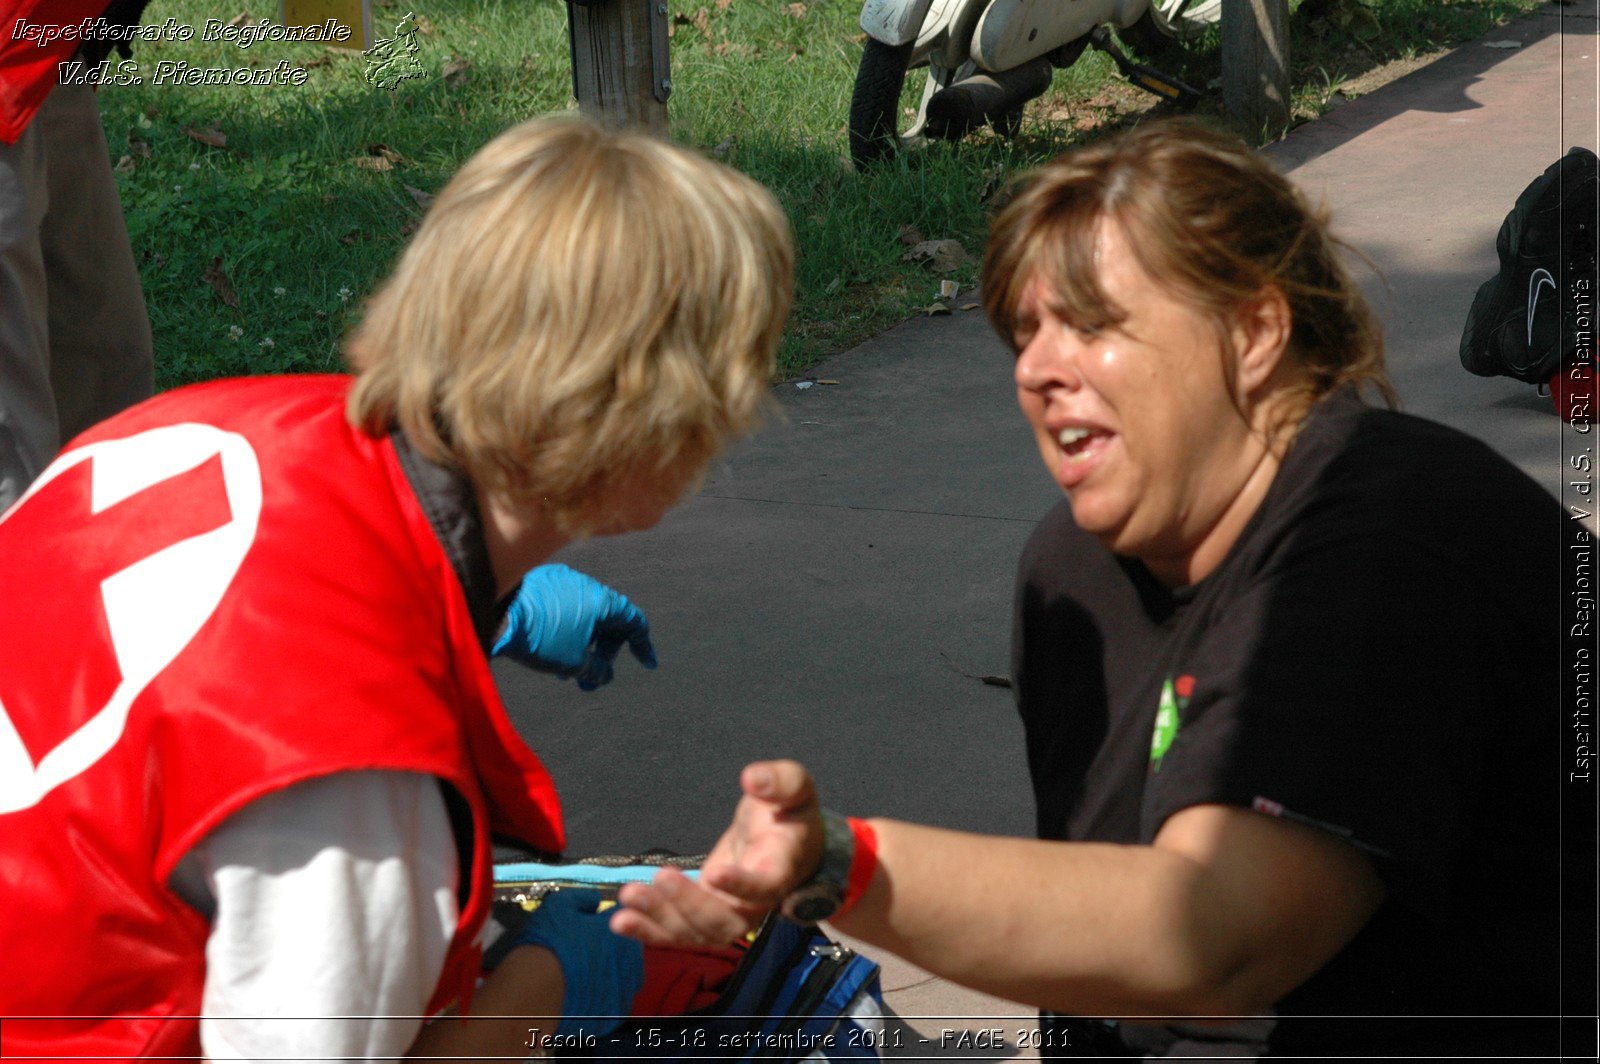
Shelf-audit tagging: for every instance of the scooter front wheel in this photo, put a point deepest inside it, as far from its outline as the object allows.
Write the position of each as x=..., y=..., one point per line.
x=875, y=103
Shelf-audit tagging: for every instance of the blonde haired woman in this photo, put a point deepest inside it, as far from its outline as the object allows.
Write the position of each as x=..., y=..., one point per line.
x=262, y=754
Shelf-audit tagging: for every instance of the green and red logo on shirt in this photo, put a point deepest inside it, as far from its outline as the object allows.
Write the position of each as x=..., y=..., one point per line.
x=1174, y=700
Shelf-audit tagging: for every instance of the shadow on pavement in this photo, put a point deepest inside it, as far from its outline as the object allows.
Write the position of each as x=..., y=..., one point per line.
x=1440, y=87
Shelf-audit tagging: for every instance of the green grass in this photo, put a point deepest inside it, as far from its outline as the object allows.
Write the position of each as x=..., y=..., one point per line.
x=303, y=233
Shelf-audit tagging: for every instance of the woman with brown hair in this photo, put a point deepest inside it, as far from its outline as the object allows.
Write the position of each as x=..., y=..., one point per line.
x=1285, y=664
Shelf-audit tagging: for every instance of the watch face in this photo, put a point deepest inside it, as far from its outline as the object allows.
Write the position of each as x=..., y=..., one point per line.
x=814, y=907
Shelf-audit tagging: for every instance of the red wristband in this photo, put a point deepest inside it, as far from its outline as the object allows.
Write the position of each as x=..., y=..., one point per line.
x=862, y=865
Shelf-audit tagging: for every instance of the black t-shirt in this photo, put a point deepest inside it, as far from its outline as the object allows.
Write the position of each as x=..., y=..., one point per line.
x=1376, y=656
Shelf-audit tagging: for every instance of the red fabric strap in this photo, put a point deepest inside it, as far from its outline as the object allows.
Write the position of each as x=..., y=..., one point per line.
x=862, y=865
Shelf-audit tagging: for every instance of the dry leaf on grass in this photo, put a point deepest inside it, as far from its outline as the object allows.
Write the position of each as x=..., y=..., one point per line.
x=935, y=308
x=350, y=238
x=125, y=165
x=241, y=19
x=423, y=199
x=909, y=235
x=456, y=72
x=700, y=20
x=795, y=10
x=211, y=136
x=380, y=157
x=994, y=179
x=424, y=26
x=217, y=278
x=941, y=256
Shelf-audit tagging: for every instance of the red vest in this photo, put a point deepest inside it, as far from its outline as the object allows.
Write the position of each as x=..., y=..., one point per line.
x=217, y=594
x=28, y=64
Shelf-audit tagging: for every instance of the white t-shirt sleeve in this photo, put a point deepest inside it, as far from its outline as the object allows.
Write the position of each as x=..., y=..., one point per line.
x=335, y=903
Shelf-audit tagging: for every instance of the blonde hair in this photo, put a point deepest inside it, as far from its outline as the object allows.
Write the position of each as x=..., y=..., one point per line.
x=578, y=306
x=1202, y=213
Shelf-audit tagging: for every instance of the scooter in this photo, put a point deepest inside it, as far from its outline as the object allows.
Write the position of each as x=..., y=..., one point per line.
x=987, y=58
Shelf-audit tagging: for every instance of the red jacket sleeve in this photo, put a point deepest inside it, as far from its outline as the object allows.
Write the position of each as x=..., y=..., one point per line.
x=28, y=61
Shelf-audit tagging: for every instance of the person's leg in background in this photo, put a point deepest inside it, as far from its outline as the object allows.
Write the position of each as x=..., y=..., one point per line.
x=28, y=433
x=75, y=344
x=100, y=348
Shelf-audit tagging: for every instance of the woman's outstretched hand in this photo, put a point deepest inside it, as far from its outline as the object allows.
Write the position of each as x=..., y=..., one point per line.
x=773, y=845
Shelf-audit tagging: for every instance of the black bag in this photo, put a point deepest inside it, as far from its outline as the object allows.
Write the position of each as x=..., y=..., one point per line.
x=1525, y=321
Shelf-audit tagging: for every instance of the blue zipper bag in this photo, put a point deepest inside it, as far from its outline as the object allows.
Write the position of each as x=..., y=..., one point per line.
x=796, y=994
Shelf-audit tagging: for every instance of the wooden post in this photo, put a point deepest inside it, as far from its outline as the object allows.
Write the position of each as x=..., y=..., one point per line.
x=1255, y=65
x=620, y=72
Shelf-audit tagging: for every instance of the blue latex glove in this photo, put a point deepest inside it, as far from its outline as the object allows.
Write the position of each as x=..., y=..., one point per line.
x=573, y=625
x=603, y=971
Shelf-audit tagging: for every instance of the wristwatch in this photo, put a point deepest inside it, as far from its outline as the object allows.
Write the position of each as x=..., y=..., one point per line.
x=820, y=896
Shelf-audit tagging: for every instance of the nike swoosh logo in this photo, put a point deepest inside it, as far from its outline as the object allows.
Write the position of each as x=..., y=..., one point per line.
x=1539, y=277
